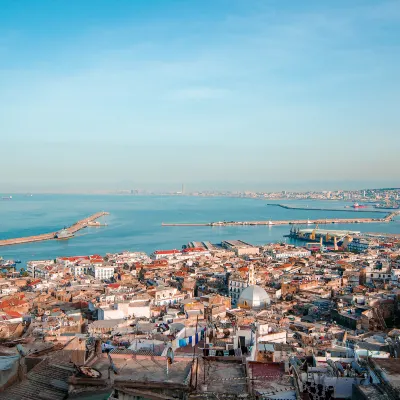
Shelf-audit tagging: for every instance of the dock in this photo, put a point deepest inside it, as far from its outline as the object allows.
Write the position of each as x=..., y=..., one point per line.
x=389, y=217
x=77, y=226
x=353, y=210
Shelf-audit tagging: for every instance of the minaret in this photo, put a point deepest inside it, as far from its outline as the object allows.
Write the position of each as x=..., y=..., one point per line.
x=251, y=280
x=183, y=188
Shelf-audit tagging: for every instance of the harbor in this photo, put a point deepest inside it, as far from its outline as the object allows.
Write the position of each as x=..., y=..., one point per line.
x=389, y=217
x=65, y=233
x=135, y=224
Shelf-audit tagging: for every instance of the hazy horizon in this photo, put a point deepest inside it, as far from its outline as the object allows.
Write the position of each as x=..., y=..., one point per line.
x=299, y=186
x=215, y=94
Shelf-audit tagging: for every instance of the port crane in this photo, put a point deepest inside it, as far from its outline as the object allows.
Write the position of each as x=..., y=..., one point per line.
x=312, y=236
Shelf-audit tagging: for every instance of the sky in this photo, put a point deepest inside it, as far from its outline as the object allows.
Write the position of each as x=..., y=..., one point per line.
x=215, y=94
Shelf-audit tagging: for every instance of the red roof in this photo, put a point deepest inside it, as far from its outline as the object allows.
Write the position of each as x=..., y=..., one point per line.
x=12, y=303
x=75, y=258
x=193, y=250
x=13, y=314
x=167, y=252
x=35, y=282
x=96, y=257
x=114, y=285
x=159, y=262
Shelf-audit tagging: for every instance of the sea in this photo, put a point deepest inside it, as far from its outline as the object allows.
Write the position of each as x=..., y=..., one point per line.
x=134, y=222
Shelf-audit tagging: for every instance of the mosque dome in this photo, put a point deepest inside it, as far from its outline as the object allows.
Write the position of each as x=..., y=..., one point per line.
x=254, y=297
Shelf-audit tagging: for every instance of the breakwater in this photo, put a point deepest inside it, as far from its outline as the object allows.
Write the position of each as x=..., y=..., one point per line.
x=389, y=217
x=354, y=210
x=77, y=226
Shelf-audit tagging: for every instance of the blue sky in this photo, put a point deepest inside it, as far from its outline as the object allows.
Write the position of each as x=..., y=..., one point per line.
x=236, y=94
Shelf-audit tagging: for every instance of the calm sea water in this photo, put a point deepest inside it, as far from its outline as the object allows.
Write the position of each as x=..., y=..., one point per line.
x=134, y=222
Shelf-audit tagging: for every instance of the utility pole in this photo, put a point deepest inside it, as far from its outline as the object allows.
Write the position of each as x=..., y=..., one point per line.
x=194, y=351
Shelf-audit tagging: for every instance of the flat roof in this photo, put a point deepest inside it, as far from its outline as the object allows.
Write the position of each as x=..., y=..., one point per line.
x=330, y=232
x=224, y=376
x=145, y=369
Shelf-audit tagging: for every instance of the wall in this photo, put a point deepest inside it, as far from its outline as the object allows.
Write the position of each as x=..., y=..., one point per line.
x=106, y=314
x=278, y=337
x=9, y=375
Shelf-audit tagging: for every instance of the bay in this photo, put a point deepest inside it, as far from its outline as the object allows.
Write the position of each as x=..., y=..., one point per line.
x=134, y=222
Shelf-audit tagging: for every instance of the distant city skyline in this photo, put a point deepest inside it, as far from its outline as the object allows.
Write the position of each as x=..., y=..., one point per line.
x=218, y=94
x=297, y=187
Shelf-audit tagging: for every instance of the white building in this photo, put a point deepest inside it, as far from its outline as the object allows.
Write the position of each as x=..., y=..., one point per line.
x=80, y=269
x=167, y=295
x=378, y=273
x=296, y=253
x=132, y=309
x=33, y=265
x=102, y=272
x=194, y=252
x=395, y=277
x=167, y=254
x=240, y=247
x=237, y=284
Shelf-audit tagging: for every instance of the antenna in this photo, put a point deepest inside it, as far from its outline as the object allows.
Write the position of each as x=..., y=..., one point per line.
x=170, y=358
x=112, y=366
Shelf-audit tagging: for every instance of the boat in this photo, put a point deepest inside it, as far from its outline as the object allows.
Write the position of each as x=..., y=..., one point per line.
x=96, y=223
x=270, y=222
x=7, y=197
x=63, y=235
x=356, y=205
x=7, y=264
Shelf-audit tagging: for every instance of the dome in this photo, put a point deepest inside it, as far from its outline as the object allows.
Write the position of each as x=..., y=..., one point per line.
x=254, y=297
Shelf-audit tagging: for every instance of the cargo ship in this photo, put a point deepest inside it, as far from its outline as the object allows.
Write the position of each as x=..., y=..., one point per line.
x=356, y=205
x=7, y=264
x=63, y=235
x=387, y=206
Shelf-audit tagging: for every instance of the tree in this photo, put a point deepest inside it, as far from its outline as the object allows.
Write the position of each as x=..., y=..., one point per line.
x=23, y=273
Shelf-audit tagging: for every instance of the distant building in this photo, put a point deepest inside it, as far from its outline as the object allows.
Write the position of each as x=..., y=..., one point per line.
x=164, y=295
x=102, y=272
x=240, y=248
x=237, y=283
x=168, y=254
x=358, y=245
x=286, y=253
x=380, y=273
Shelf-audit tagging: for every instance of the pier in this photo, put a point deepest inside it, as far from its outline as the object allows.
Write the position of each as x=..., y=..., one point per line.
x=77, y=226
x=389, y=217
x=354, y=210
